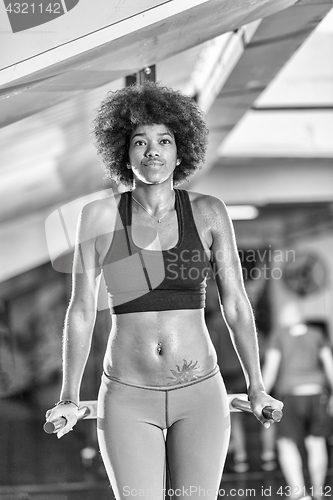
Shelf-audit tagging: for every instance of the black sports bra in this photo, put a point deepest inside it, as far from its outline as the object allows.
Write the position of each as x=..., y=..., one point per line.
x=140, y=280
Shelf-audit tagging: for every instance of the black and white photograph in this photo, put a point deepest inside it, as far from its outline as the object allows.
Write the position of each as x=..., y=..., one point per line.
x=166, y=250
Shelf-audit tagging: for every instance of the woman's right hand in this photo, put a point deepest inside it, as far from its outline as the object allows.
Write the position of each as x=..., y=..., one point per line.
x=66, y=411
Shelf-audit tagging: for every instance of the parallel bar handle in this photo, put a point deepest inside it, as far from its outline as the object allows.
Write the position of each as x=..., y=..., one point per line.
x=53, y=426
x=268, y=412
x=272, y=413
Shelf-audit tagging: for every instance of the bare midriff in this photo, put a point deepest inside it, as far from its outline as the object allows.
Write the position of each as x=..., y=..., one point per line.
x=159, y=348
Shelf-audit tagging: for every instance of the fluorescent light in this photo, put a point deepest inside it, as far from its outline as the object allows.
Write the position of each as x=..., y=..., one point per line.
x=242, y=212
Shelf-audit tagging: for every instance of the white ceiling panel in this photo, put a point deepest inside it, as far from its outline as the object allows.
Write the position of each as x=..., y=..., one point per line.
x=293, y=117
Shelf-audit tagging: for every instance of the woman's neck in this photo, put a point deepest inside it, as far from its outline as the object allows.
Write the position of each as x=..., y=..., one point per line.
x=153, y=197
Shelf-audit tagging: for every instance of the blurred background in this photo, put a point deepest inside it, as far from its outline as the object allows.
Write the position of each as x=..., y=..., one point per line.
x=262, y=72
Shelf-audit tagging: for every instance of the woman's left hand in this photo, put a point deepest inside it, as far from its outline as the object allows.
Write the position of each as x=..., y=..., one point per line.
x=259, y=400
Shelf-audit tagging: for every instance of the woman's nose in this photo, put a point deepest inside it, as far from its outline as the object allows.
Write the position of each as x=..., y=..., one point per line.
x=152, y=150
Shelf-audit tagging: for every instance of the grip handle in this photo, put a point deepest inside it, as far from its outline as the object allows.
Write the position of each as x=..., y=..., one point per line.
x=268, y=412
x=53, y=426
x=272, y=413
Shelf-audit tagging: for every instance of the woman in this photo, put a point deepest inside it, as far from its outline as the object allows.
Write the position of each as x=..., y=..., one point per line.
x=155, y=245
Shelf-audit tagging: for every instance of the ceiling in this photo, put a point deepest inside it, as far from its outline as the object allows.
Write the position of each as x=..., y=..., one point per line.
x=89, y=47
x=261, y=70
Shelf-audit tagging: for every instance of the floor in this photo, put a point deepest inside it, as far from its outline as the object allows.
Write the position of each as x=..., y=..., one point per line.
x=38, y=466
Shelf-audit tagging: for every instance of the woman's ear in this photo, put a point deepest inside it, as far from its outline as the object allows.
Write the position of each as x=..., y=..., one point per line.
x=178, y=162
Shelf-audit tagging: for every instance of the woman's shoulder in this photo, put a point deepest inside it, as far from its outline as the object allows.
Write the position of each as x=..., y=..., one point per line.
x=207, y=202
x=211, y=212
x=101, y=206
x=100, y=214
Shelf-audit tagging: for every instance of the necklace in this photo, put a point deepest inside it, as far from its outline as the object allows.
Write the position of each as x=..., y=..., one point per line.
x=151, y=215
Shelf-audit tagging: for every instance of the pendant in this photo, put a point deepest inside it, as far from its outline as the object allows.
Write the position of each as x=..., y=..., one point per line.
x=159, y=348
x=159, y=221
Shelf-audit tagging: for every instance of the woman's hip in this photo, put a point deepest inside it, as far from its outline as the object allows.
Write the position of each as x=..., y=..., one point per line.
x=162, y=406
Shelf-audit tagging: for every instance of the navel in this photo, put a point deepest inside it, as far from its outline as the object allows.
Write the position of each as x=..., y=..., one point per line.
x=159, y=348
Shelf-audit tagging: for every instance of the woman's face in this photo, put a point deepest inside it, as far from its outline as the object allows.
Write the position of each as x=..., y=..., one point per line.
x=153, y=153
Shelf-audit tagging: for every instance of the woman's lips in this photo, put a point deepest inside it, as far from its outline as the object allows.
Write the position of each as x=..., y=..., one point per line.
x=149, y=163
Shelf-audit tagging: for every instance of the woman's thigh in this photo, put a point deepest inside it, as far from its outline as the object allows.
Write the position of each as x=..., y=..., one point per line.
x=131, y=440
x=197, y=439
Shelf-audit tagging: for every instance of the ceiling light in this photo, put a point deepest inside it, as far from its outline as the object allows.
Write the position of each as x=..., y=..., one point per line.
x=242, y=212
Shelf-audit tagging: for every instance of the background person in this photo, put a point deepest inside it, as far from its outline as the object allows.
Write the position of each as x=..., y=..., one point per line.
x=299, y=364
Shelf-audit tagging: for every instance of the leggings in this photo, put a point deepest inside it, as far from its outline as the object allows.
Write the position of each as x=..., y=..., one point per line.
x=159, y=442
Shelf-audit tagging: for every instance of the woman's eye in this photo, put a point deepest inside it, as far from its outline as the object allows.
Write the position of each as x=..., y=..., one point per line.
x=165, y=141
x=139, y=143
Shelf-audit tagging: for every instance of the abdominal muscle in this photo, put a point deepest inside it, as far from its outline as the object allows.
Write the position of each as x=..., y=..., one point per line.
x=159, y=348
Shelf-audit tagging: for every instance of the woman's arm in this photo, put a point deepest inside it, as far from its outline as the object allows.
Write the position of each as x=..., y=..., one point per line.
x=80, y=317
x=236, y=307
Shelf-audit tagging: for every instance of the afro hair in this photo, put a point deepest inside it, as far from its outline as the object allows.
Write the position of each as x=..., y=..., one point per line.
x=122, y=111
